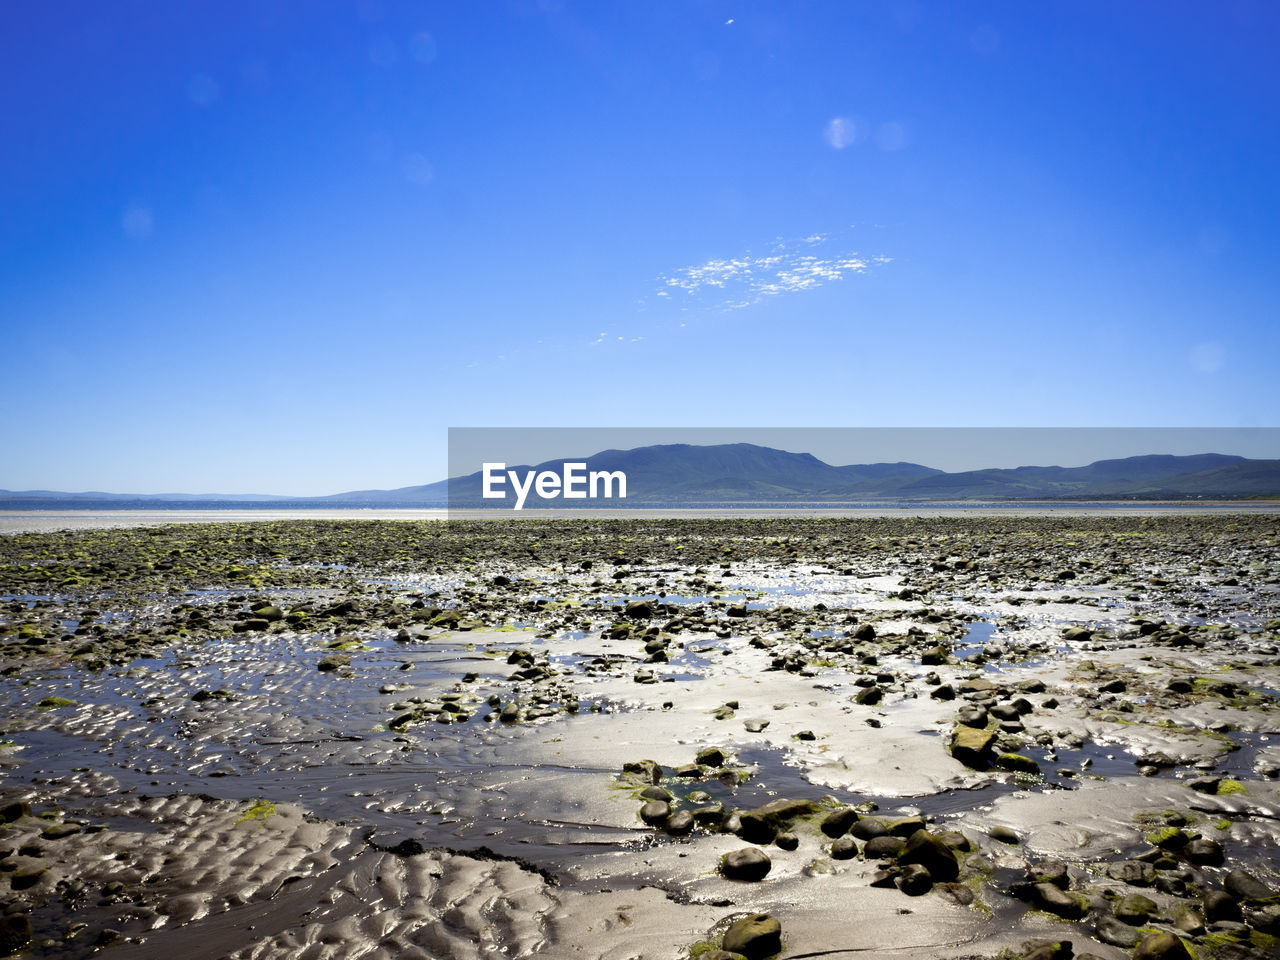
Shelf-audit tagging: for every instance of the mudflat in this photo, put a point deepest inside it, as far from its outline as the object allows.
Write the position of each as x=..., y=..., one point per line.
x=970, y=736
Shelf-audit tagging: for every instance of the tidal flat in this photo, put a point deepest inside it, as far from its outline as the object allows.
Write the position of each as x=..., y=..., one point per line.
x=976, y=736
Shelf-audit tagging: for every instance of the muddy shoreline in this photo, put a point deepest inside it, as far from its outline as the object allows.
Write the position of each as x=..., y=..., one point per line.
x=961, y=736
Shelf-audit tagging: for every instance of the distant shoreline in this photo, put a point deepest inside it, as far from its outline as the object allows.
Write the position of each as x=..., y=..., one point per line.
x=85, y=518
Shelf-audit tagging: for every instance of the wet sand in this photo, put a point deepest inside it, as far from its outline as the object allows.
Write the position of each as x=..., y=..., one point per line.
x=422, y=739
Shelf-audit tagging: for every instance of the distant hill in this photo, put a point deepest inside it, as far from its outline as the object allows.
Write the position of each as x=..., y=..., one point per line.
x=681, y=472
x=741, y=472
x=1148, y=477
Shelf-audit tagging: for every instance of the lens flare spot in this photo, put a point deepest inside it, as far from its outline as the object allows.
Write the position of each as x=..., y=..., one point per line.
x=841, y=132
x=137, y=222
x=418, y=169
x=202, y=89
x=423, y=47
x=1208, y=357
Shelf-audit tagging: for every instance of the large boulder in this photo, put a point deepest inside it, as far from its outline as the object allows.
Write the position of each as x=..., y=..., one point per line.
x=837, y=822
x=638, y=610
x=972, y=746
x=655, y=812
x=1161, y=946
x=749, y=863
x=932, y=854
x=1245, y=887
x=1063, y=903
x=755, y=937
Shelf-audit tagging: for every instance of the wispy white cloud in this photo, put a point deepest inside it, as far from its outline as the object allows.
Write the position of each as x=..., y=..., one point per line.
x=607, y=338
x=790, y=267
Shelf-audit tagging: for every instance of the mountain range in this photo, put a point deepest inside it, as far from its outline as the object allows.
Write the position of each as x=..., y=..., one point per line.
x=675, y=474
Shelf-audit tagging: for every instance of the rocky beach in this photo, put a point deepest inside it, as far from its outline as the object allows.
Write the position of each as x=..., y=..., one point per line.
x=946, y=736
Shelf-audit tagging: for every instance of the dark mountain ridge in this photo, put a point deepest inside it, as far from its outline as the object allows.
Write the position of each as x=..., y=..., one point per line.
x=675, y=474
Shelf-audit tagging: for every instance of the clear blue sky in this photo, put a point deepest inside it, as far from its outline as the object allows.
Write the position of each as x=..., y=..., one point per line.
x=281, y=247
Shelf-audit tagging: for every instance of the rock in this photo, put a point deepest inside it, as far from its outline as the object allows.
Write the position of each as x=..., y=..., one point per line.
x=844, y=848
x=955, y=840
x=655, y=812
x=720, y=955
x=783, y=811
x=1161, y=946
x=932, y=854
x=1017, y=763
x=679, y=823
x=1219, y=905
x=755, y=937
x=638, y=610
x=1233, y=930
x=754, y=827
x=1004, y=711
x=972, y=715
x=1004, y=834
x=1048, y=950
x=60, y=831
x=905, y=827
x=1112, y=931
x=870, y=696
x=883, y=848
x=749, y=863
x=15, y=932
x=1205, y=784
x=646, y=771
x=1169, y=838
x=24, y=878
x=869, y=827
x=656, y=793
x=837, y=822
x=958, y=893
x=1188, y=920
x=710, y=757
x=1133, y=872
x=1051, y=871
x=944, y=692
x=711, y=815
x=1204, y=852
x=1062, y=903
x=333, y=663
x=914, y=880
x=344, y=607
x=1134, y=909
x=787, y=841
x=1246, y=887
x=972, y=746
x=14, y=811
x=934, y=656
x=1265, y=918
